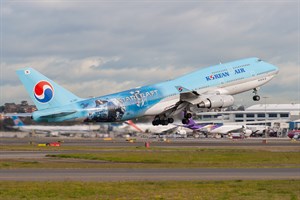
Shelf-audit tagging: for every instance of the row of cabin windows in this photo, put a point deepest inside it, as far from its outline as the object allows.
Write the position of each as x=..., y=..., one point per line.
x=260, y=115
x=237, y=67
x=217, y=72
x=210, y=116
x=248, y=120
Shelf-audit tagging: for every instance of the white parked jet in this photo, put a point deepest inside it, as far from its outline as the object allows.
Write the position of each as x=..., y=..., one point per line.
x=53, y=130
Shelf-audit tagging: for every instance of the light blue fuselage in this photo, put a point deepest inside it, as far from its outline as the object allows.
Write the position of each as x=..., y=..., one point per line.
x=228, y=78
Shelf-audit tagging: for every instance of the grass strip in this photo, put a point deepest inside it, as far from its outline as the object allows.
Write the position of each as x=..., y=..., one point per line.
x=233, y=158
x=239, y=190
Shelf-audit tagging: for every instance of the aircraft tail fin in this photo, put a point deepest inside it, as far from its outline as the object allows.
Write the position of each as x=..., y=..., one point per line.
x=17, y=121
x=191, y=122
x=131, y=123
x=44, y=92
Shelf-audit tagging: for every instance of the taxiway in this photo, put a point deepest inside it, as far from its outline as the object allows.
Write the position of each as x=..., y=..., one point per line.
x=147, y=174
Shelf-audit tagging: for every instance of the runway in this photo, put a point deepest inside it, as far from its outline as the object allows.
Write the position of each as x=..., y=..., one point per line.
x=147, y=174
x=130, y=174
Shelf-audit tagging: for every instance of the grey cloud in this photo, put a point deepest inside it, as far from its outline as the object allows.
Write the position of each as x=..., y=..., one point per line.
x=105, y=31
x=60, y=36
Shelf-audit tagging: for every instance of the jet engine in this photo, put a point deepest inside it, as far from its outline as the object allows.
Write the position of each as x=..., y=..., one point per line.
x=216, y=101
x=247, y=132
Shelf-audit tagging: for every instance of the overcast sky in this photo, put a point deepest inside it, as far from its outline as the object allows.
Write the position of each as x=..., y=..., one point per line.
x=99, y=47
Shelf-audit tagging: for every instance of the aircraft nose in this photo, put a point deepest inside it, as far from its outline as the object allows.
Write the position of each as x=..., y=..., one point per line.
x=276, y=69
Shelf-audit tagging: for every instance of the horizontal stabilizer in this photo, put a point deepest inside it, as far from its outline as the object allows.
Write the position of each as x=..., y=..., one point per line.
x=54, y=115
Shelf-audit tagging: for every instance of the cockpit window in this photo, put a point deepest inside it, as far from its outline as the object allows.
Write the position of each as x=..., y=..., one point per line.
x=259, y=60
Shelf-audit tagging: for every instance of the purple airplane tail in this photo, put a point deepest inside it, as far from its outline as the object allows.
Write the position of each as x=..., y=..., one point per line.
x=191, y=122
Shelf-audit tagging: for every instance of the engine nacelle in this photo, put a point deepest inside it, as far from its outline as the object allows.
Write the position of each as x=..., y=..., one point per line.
x=217, y=101
x=247, y=132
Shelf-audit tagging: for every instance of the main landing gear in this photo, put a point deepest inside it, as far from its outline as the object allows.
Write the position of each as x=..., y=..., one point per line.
x=256, y=97
x=162, y=121
x=186, y=118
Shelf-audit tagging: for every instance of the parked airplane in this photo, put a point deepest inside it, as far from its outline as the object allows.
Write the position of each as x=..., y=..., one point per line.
x=221, y=129
x=53, y=130
x=147, y=128
x=211, y=87
x=294, y=134
x=230, y=128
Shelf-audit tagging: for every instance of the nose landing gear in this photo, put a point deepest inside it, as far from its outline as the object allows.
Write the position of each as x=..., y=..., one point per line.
x=256, y=97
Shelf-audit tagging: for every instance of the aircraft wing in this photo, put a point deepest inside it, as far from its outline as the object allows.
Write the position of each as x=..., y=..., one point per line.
x=209, y=99
x=187, y=95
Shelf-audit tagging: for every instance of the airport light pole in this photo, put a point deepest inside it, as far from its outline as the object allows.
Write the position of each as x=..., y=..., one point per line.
x=266, y=134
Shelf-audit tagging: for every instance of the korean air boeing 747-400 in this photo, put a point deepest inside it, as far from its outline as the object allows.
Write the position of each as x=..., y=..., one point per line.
x=210, y=87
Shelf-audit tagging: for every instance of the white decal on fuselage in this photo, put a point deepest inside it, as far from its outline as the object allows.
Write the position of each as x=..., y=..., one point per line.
x=139, y=97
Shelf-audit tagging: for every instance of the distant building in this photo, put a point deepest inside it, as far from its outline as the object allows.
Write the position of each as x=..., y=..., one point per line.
x=259, y=112
x=280, y=117
x=295, y=125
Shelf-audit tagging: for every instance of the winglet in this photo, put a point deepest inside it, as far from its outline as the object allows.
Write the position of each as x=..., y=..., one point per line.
x=182, y=89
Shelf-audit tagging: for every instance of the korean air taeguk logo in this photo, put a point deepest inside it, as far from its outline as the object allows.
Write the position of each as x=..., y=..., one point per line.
x=43, y=91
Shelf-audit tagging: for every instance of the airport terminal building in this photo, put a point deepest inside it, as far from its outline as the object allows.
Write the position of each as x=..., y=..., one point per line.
x=258, y=112
x=281, y=116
